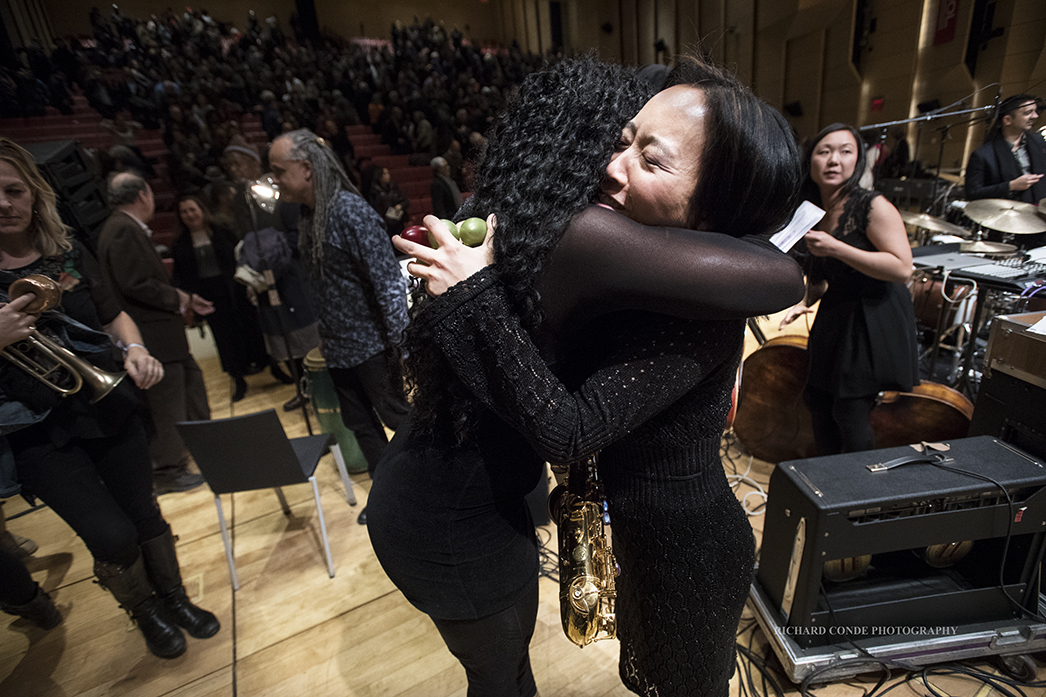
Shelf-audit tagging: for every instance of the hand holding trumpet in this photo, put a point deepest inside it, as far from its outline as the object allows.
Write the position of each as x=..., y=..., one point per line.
x=15, y=323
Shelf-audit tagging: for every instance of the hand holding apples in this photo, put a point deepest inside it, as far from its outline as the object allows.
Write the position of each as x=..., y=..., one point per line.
x=448, y=260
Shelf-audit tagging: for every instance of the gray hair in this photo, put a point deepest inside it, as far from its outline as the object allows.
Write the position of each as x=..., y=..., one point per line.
x=328, y=178
x=437, y=163
x=124, y=188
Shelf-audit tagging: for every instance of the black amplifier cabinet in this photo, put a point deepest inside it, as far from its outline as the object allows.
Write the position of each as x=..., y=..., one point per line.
x=1011, y=401
x=826, y=509
x=80, y=191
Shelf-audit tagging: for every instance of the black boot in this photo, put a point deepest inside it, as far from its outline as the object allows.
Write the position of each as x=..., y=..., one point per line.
x=161, y=562
x=132, y=589
x=241, y=389
x=40, y=610
x=281, y=377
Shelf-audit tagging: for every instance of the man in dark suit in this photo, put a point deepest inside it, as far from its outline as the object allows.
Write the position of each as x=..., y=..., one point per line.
x=139, y=281
x=446, y=198
x=1012, y=161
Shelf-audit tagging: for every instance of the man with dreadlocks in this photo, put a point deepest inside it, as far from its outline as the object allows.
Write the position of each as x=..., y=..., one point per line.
x=355, y=285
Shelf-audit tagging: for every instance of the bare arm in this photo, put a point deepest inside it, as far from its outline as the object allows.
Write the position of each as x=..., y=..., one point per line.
x=145, y=370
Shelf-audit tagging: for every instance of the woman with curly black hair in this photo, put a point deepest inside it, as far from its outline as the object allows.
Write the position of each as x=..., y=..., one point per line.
x=592, y=331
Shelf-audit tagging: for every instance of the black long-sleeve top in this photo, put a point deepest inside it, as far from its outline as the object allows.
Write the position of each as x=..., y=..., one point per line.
x=449, y=524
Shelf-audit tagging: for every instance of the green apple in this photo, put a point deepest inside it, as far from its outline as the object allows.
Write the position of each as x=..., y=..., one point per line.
x=451, y=226
x=473, y=231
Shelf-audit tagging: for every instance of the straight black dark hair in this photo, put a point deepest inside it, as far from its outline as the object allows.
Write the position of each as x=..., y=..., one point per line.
x=750, y=164
x=810, y=190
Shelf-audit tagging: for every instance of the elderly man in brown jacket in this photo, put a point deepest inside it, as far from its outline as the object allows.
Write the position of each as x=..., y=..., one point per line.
x=139, y=281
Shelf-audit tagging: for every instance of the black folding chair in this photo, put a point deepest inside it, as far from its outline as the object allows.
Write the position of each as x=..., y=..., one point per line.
x=245, y=453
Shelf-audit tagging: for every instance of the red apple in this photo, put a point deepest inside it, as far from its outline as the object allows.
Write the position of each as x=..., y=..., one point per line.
x=416, y=234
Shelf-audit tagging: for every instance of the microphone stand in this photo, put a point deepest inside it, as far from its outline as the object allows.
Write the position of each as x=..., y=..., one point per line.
x=275, y=302
x=926, y=118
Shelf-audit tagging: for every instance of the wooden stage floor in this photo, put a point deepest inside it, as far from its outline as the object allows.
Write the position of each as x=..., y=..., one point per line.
x=290, y=630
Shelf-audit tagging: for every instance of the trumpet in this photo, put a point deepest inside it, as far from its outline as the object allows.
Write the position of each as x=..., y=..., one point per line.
x=45, y=359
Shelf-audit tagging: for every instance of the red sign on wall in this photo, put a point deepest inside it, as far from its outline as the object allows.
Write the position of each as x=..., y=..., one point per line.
x=947, y=13
x=877, y=103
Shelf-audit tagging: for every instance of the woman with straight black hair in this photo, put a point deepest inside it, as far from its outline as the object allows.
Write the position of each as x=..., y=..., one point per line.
x=596, y=328
x=863, y=339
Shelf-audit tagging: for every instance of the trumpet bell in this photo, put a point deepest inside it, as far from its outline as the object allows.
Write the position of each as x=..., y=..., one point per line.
x=47, y=293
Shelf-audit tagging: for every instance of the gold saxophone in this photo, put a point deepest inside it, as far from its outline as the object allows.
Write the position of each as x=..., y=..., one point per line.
x=587, y=568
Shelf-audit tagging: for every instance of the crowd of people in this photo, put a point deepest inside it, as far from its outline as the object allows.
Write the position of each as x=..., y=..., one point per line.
x=195, y=77
x=569, y=333
x=426, y=93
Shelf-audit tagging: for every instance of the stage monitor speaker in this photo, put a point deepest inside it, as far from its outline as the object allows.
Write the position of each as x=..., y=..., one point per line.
x=924, y=545
x=64, y=164
x=70, y=172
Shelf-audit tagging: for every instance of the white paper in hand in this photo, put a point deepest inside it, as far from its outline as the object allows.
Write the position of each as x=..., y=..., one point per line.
x=805, y=217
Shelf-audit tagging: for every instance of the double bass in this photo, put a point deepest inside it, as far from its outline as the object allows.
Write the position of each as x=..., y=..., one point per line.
x=773, y=423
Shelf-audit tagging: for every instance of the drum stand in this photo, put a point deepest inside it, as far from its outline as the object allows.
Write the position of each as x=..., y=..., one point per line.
x=960, y=330
x=984, y=310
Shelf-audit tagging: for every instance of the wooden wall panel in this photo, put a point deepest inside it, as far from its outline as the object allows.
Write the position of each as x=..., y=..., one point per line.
x=687, y=25
x=607, y=12
x=645, y=28
x=627, y=10
x=544, y=24
x=769, y=74
x=739, y=40
x=710, y=19
x=841, y=86
x=804, y=70
x=665, y=27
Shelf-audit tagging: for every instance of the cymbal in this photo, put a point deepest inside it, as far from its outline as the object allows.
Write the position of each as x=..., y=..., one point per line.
x=1014, y=217
x=928, y=222
x=984, y=247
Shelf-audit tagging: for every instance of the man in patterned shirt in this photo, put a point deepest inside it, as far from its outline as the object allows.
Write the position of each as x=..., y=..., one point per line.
x=355, y=283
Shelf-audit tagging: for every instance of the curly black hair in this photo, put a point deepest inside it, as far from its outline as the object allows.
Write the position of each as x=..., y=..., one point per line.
x=545, y=161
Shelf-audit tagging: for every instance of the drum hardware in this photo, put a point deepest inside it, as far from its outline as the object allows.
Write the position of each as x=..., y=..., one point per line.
x=946, y=239
x=1004, y=215
x=951, y=318
x=979, y=246
x=923, y=221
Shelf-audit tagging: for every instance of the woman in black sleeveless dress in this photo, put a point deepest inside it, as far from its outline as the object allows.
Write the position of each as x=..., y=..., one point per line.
x=863, y=339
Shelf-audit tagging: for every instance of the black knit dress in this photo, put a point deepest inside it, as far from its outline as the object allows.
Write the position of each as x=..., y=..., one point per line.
x=649, y=391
